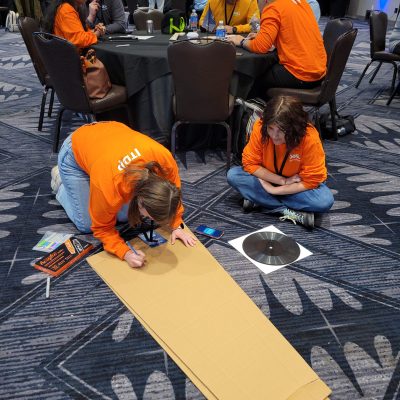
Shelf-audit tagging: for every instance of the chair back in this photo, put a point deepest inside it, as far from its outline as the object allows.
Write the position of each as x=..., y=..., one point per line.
x=337, y=63
x=378, y=21
x=333, y=29
x=201, y=76
x=62, y=61
x=27, y=26
x=140, y=17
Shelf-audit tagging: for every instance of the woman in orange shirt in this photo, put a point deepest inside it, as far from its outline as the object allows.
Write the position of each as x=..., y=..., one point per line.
x=299, y=60
x=66, y=18
x=284, y=165
x=108, y=172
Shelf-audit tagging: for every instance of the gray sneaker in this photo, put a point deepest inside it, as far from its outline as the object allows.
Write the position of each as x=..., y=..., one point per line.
x=55, y=179
x=304, y=218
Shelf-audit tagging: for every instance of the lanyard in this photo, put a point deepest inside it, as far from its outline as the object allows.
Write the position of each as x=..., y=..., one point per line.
x=228, y=21
x=283, y=162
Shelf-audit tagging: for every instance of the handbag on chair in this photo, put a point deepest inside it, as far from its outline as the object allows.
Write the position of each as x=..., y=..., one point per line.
x=95, y=76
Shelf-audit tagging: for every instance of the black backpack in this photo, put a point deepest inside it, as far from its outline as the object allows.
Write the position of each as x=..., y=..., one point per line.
x=173, y=21
x=344, y=125
x=246, y=114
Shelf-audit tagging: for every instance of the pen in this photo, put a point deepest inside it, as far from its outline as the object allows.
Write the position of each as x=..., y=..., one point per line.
x=131, y=247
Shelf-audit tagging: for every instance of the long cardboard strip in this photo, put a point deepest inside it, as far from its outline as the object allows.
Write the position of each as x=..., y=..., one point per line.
x=208, y=325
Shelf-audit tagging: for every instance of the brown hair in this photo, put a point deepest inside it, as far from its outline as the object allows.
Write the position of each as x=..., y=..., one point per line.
x=156, y=194
x=288, y=113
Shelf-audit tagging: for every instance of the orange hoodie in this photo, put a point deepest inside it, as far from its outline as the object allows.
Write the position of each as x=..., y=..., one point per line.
x=68, y=26
x=293, y=30
x=307, y=159
x=103, y=150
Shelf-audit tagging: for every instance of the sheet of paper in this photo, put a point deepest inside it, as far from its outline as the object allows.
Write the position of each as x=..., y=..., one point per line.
x=238, y=245
x=51, y=240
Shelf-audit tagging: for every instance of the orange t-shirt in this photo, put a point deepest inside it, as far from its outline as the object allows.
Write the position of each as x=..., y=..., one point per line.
x=307, y=159
x=293, y=30
x=68, y=26
x=103, y=150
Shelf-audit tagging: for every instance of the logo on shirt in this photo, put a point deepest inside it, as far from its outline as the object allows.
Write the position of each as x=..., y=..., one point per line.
x=294, y=157
x=128, y=159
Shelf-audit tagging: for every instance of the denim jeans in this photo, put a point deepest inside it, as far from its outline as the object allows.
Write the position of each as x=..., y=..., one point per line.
x=314, y=200
x=73, y=193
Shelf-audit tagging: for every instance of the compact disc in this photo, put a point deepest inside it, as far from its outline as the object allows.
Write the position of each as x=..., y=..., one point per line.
x=271, y=248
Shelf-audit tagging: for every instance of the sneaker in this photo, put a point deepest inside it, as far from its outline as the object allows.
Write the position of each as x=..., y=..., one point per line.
x=304, y=218
x=55, y=179
x=248, y=206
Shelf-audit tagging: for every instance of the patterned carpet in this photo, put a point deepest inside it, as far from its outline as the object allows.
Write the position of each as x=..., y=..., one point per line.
x=339, y=307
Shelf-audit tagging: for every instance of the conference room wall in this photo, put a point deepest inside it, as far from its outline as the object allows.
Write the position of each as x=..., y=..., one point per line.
x=358, y=8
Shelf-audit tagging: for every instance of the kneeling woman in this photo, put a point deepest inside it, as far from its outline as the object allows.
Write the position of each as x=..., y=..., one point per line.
x=109, y=172
x=284, y=165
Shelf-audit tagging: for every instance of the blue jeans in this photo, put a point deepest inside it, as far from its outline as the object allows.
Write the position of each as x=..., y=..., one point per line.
x=73, y=193
x=314, y=200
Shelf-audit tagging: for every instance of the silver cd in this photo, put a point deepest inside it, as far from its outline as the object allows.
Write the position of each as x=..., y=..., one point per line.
x=271, y=248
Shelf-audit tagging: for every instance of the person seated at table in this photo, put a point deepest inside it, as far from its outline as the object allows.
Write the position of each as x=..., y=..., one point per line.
x=284, y=165
x=300, y=57
x=110, y=13
x=236, y=15
x=108, y=172
x=66, y=18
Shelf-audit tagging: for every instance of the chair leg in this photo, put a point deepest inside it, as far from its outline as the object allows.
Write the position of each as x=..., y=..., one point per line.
x=393, y=94
x=173, y=137
x=58, y=130
x=228, y=144
x=317, y=123
x=363, y=73
x=51, y=102
x=42, y=106
x=375, y=72
x=394, y=76
x=129, y=114
x=332, y=107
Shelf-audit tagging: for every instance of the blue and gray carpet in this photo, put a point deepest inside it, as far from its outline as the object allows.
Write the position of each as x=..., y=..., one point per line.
x=340, y=307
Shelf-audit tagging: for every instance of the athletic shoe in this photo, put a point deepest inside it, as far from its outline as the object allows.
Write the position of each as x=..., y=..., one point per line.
x=55, y=179
x=248, y=206
x=304, y=218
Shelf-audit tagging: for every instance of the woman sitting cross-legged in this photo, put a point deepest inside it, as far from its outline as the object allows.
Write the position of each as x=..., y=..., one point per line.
x=284, y=165
x=108, y=172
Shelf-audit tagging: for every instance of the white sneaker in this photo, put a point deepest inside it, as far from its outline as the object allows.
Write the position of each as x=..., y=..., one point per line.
x=55, y=179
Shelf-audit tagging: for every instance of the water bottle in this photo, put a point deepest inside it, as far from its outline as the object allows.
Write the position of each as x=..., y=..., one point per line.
x=220, y=32
x=193, y=21
x=255, y=24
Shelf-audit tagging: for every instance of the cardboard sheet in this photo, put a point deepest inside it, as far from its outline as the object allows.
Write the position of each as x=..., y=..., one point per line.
x=208, y=325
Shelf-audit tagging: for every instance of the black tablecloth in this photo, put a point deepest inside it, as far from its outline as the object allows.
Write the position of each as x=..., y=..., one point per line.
x=142, y=66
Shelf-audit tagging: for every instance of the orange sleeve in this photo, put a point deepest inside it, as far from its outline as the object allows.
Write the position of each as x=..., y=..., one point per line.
x=68, y=26
x=252, y=157
x=269, y=28
x=313, y=169
x=104, y=217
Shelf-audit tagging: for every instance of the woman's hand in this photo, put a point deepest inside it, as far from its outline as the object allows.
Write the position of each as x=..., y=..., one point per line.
x=135, y=260
x=235, y=39
x=179, y=233
x=100, y=29
x=293, y=179
x=94, y=6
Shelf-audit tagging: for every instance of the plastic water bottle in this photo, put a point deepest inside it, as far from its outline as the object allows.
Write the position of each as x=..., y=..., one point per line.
x=220, y=32
x=193, y=21
x=255, y=24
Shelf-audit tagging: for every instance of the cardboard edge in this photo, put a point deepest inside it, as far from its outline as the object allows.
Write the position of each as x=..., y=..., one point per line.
x=315, y=390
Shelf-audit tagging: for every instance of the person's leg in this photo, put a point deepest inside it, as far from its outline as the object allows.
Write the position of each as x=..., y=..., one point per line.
x=279, y=76
x=160, y=5
x=250, y=188
x=152, y=4
x=318, y=200
x=73, y=193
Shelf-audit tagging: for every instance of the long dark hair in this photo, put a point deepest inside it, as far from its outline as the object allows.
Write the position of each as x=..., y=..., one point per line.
x=287, y=112
x=49, y=20
x=156, y=194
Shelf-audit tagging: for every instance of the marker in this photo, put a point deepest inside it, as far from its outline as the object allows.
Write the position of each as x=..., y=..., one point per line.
x=48, y=288
x=131, y=247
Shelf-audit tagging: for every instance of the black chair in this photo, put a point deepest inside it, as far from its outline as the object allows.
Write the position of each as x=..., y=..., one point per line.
x=27, y=26
x=339, y=37
x=140, y=17
x=201, y=77
x=378, y=21
x=62, y=60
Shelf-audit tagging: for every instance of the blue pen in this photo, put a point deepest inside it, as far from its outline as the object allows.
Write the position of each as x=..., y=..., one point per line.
x=131, y=247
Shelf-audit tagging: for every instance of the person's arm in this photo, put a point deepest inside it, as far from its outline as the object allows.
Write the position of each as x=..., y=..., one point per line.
x=68, y=22
x=92, y=12
x=117, y=15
